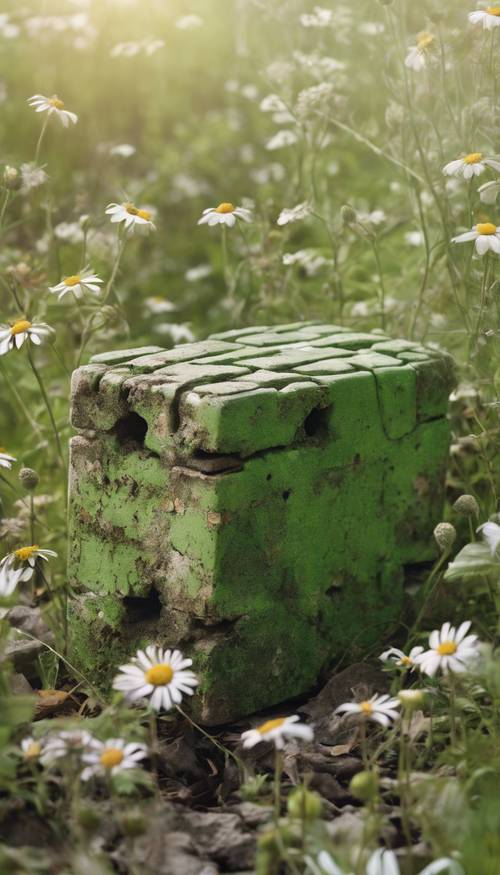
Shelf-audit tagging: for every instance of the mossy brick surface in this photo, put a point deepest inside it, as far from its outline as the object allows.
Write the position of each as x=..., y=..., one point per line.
x=253, y=499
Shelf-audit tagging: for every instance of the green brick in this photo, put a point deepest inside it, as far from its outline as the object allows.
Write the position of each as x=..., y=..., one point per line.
x=252, y=499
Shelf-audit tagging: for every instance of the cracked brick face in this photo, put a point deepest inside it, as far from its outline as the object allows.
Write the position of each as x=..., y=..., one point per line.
x=254, y=499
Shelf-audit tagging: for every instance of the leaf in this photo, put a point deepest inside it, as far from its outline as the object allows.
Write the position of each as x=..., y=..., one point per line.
x=474, y=559
x=49, y=702
x=15, y=710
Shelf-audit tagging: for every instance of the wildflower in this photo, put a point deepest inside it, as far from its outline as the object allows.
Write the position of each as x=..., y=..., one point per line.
x=108, y=758
x=318, y=18
x=278, y=730
x=198, y=272
x=467, y=505
x=491, y=534
x=13, y=336
x=488, y=192
x=224, y=214
x=32, y=177
x=20, y=564
x=281, y=139
x=294, y=214
x=11, y=177
x=51, y=105
x=400, y=658
x=124, y=150
x=158, y=675
x=28, y=479
x=65, y=744
x=470, y=165
x=31, y=749
x=273, y=103
x=188, y=22
x=6, y=459
x=157, y=304
x=131, y=215
x=450, y=650
x=77, y=284
x=308, y=259
x=445, y=535
x=70, y=232
x=414, y=238
x=417, y=56
x=381, y=709
x=486, y=238
x=383, y=862
x=412, y=699
x=9, y=578
x=177, y=332
x=489, y=17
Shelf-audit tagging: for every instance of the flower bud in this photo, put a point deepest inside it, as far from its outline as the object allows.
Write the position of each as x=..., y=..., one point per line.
x=412, y=700
x=133, y=823
x=348, y=214
x=467, y=505
x=444, y=535
x=11, y=177
x=89, y=818
x=29, y=479
x=304, y=804
x=364, y=786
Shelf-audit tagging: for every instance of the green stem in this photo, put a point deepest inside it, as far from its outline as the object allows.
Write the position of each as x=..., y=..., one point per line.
x=376, y=253
x=278, y=771
x=4, y=207
x=53, y=423
x=40, y=139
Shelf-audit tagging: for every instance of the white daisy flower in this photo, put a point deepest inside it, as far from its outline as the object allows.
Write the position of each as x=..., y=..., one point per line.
x=6, y=460
x=414, y=238
x=281, y=139
x=382, y=862
x=451, y=650
x=53, y=105
x=13, y=336
x=9, y=578
x=294, y=214
x=78, y=284
x=488, y=191
x=319, y=17
x=400, y=658
x=158, y=675
x=224, y=214
x=489, y=17
x=189, y=22
x=278, y=730
x=65, y=744
x=470, y=165
x=491, y=534
x=417, y=56
x=123, y=150
x=20, y=564
x=108, y=758
x=486, y=237
x=31, y=749
x=32, y=177
x=381, y=709
x=131, y=215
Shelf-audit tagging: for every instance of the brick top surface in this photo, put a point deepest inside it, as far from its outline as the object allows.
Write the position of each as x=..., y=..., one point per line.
x=250, y=389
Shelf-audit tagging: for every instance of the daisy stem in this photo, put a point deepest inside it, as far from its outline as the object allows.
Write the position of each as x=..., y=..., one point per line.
x=453, y=711
x=40, y=139
x=32, y=518
x=20, y=403
x=376, y=253
x=153, y=745
x=428, y=590
x=48, y=406
x=4, y=207
x=119, y=252
x=278, y=771
x=484, y=295
x=224, y=750
x=363, y=745
x=404, y=778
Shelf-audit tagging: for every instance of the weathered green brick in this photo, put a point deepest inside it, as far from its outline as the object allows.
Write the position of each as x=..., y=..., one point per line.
x=253, y=499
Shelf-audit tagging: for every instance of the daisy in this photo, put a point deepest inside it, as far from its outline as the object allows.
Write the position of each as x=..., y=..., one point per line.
x=25, y=558
x=488, y=191
x=486, y=237
x=31, y=749
x=289, y=215
x=132, y=216
x=450, y=650
x=77, y=284
x=381, y=709
x=9, y=578
x=278, y=730
x=51, y=105
x=64, y=744
x=6, y=459
x=224, y=214
x=416, y=58
x=158, y=675
x=489, y=17
x=13, y=336
x=111, y=757
x=382, y=862
x=400, y=659
x=470, y=165
x=491, y=534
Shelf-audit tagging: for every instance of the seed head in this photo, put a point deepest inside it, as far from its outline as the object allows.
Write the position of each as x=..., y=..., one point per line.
x=467, y=505
x=412, y=700
x=364, y=786
x=29, y=479
x=11, y=178
x=304, y=804
x=348, y=214
x=444, y=535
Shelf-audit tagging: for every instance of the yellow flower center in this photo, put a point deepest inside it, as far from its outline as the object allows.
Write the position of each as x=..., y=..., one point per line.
x=270, y=724
x=493, y=10
x=447, y=648
x=111, y=757
x=133, y=211
x=473, y=158
x=405, y=660
x=424, y=40
x=19, y=326
x=56, y=102
x=225, y=208
x=25, y=553
x=486, y=228
x=366, y=707
x=72, y=280
x=33, y=750
x=159, y=675
x=3, y=450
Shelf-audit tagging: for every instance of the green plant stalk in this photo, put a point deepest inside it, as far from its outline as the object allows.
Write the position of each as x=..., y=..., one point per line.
x=278, y=771
x=40, y=139
x=45, y=397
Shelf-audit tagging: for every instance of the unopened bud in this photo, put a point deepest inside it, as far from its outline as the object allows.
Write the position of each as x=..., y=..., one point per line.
x=412, y=700
x=11, y=177
x=304, y=804
x=133, y=823
x=89, y=818
x=467, y=505
x=29, y=479
x=364, y=786
x=444, y=535
x=348, y=214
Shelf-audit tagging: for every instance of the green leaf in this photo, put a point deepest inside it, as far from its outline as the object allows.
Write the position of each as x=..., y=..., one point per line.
x=473, y=560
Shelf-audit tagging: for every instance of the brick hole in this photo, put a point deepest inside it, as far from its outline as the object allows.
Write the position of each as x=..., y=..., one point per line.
x=316, y=422
x=131, y=429
x=269, y=477
x=286, y=494
x=140, y=610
